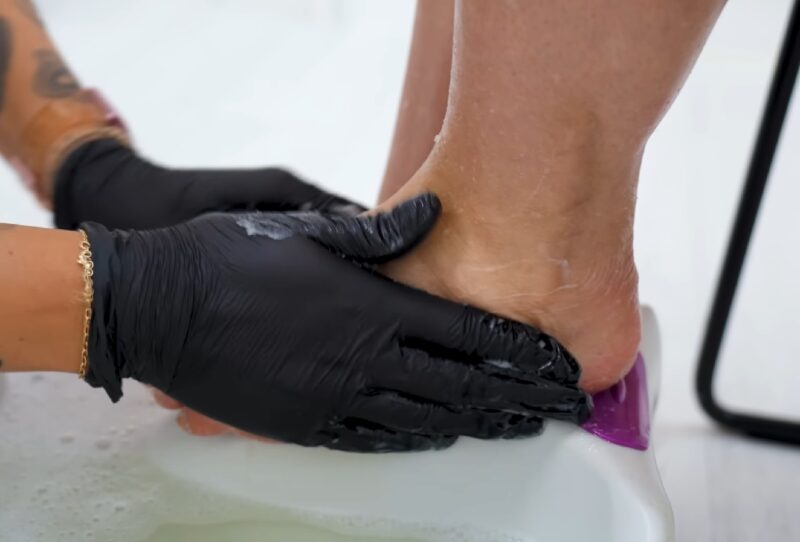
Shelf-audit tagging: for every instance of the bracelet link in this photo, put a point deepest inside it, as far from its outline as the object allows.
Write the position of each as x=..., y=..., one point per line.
x=86, y=262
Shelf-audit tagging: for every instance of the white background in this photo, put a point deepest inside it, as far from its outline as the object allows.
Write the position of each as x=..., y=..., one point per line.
x=314, y=85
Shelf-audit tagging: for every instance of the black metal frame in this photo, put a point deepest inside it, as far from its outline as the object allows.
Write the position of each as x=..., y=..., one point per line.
x=769, y=133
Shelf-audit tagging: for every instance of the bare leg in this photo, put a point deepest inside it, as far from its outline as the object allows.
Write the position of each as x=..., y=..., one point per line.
x=550, y=107
x=424, y=100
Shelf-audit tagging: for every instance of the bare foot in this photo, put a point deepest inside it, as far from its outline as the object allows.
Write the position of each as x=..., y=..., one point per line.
x=198, y=424
x=537, y=159
x=568, y=271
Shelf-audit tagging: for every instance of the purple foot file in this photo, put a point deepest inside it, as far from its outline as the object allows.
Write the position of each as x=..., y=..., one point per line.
x=622, y=413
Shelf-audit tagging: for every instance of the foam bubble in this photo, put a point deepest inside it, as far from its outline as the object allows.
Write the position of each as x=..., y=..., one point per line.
x=164, y=477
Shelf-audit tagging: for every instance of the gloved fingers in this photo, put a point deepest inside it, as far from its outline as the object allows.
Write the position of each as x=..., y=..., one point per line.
x=353, y=435
x=108, y=182
x=544, y=399
x=388, y=235
x=273, y=189
x=462, y=384
x=329, y=203
x=514, y=347
x=529, y=427
x=407, y=414
x=367, y=239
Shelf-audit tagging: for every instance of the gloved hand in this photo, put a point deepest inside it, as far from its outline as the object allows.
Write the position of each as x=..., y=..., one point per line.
x=275, y=324
x=104, y=181
x=107, y=182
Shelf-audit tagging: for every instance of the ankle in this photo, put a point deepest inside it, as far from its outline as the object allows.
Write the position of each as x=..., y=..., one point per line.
x=549, y=179
x=571, y=205
x=565, y=268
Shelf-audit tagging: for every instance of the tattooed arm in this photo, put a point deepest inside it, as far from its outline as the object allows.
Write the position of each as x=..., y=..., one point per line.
x=41, y=309
x=32, y=72
x=40, y=280
x=44, y=112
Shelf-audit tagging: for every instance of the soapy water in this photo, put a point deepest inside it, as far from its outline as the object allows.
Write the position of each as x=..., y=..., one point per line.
x=74, y=468
x=252, y=530
x=285, y=527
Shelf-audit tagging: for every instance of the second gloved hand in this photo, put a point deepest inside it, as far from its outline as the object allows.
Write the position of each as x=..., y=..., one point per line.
x=273, y=323
x=104, y=181
x=107, y=182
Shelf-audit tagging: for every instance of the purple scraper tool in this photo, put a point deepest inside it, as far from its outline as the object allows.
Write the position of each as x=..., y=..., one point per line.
x=622, y=413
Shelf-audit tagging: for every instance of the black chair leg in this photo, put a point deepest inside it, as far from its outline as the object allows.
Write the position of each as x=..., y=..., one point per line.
x=769, y=134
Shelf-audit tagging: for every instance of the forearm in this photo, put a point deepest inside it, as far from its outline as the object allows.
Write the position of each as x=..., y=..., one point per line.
x=41, y=300
x=44, y=112
x=32, y=72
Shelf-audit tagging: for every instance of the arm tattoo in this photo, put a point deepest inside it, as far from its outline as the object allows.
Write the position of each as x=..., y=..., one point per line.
x=5, y=57
x=27, y=7
x=52, y=78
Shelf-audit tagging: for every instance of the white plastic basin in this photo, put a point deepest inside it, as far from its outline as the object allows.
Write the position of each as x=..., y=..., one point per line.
x=78, y=469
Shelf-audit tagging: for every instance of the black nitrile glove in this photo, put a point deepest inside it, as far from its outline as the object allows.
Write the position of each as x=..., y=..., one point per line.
x=274, y=324
x=104, y=181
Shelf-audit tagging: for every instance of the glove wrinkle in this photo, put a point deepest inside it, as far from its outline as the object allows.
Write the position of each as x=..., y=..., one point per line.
x=278, y=335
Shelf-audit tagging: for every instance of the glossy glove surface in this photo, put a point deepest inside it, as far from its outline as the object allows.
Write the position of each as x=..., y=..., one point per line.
x=275, y=323
x=104, y=181
x=107, y=182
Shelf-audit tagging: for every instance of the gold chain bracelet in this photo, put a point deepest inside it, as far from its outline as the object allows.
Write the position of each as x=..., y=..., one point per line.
x=85, y=260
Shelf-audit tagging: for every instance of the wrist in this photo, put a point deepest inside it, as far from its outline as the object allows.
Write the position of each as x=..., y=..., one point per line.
x=97, y=182
x=104, y=362
x=132, y=318
x=42, y=309
x=58, y=129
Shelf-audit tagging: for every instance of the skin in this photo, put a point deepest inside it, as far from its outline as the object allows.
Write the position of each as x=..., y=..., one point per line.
x=43, y=112
x=41, y=285
x=541, y=134
x=45, y=303
x=549, y=109
x=29, y=10
x=34, y=74
x=424, y=100
x=5, y=57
